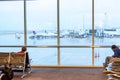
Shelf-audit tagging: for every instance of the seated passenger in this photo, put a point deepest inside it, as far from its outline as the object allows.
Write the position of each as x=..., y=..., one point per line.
x=116, y=54
x=23, y=50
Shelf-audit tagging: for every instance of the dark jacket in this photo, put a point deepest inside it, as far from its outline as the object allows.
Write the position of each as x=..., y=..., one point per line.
x=116, y=52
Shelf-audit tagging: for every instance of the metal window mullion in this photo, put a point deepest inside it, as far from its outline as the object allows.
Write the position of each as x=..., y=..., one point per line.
x=58, y=36
x=93, y=32
x=25, y=30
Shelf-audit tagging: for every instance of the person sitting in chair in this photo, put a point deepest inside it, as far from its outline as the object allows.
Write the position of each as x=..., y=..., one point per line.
x=116, y=54
x=23, y=50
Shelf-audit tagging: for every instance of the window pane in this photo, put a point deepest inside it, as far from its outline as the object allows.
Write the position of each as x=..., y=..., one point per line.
x=9, y=49
x=75, y=22
x=41, y=22
x=76, y=56
x=11, y=22
x=107, y=24
x=43, y=56
x=101, y=54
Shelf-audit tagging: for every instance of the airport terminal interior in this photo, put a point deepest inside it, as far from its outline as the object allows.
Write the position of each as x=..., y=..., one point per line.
x=64, y=39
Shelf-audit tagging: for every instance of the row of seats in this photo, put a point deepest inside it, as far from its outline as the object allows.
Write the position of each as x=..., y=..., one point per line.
x=16, y=61
x=113, y=69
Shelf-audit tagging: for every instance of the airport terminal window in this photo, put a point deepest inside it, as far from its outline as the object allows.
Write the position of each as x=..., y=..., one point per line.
x=11, y=23
x=106, y=21
x=76, y=57
x=75, y=22
x=43, y=56
x=76, y=40
x=100, y=55
x=12, y=49
x=42, y=22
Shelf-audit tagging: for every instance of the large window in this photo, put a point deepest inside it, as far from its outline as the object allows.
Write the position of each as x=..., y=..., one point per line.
x=60, y=32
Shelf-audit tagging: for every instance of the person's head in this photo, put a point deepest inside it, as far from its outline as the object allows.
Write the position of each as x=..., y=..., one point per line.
x=24, y=48
x=113, y=47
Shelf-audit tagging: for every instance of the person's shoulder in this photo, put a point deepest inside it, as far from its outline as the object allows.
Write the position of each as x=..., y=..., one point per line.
x=21, y=52
x=117, y=49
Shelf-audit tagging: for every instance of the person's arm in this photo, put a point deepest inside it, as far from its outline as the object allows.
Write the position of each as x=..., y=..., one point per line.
x=116, y=51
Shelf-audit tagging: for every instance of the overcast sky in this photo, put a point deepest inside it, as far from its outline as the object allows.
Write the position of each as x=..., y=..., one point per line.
x=74, y=14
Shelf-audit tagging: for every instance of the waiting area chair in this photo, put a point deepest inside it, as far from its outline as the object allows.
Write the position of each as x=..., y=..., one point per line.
x=113, y=69
x=18, y=62
x=4, y=58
